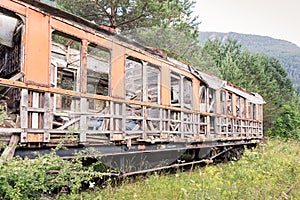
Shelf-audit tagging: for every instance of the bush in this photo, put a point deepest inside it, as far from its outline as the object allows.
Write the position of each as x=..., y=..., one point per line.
x=287, y=125
x=30, y=178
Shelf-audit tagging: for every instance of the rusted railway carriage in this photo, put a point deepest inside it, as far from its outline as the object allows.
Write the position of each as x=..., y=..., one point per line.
x=61, y=75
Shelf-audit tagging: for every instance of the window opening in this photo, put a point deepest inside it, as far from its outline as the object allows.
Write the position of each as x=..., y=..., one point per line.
x=153, y=84
x=175, y=89
x=10, y=45
x=242, y=107
x=11, y=27
x=254, y=111
x=202, y=94
x=229, y=104
x=98, y=65
x=238, y=106
x=134, y=81
x=187, y=92
x=212, y=125
x=223, y=102
x=65, y=66
x=259, y=112
x=250, y=110
x=212, y=100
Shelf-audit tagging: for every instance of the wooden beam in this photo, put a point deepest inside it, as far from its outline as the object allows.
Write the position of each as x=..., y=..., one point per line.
x=9, y=151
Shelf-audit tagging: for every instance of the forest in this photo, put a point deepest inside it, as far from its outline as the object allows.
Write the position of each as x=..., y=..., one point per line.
x=286, y=52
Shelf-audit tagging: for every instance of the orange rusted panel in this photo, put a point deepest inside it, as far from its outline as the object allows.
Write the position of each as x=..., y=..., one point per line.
x=117, y=71
x=83, y=78
x=143, y=57
x=35, y=137
x=37, y=49
x=141, y=147
x=66, y=28
x=117, y=137
x=165, y=86
x=164, y=135
x=13, y=6
x=180, y=71
x=99, y=41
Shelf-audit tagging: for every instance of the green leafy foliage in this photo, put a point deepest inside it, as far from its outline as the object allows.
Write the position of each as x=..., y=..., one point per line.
x=126, y=15
x=287, y=125
x=32, y=178
x=287, y=53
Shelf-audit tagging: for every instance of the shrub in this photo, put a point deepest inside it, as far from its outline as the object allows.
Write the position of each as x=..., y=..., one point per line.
x=30, y=178
x=287, y=125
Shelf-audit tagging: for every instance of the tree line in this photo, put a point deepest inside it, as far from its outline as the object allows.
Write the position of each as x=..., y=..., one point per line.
x=171, y=26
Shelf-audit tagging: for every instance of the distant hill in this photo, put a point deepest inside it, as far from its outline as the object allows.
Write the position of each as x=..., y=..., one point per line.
x=286, y=52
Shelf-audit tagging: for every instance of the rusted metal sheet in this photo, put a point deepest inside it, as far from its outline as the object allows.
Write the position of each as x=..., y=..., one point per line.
x=67, y=29
x=13, y=6
x=35, y=137
x=37, y=53
x=117, y=72
x=165, y=83
x=99, y=40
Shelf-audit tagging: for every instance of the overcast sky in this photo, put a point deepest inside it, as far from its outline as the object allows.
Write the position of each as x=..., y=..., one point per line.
x=275, y=18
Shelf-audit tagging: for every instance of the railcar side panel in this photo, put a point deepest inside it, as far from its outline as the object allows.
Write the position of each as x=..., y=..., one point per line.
x=37, y=53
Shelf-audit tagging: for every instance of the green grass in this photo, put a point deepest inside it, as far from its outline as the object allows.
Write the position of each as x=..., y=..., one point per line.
x=272, y=171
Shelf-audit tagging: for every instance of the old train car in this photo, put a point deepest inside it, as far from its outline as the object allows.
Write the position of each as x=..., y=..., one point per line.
x=63, y=78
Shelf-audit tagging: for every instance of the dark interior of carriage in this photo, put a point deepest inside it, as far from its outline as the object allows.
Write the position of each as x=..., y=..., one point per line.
x=10, y=65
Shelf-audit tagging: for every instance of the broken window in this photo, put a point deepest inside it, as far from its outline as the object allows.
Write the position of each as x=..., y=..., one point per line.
x=134, y=81
x=212, y=125
x=211, y=100
x=153, y=83
x=65, y=67
x=141, y=76
x=175, y=89
x=260, y=110
x=10, y=45
x=252, y=110
x=223, y=102
x=202, y=94
x=187, y=93
x=203, y=124
x=98, y=65
x=238, y=106
x=242, y=107
x=11, y=27
x=229, y=104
